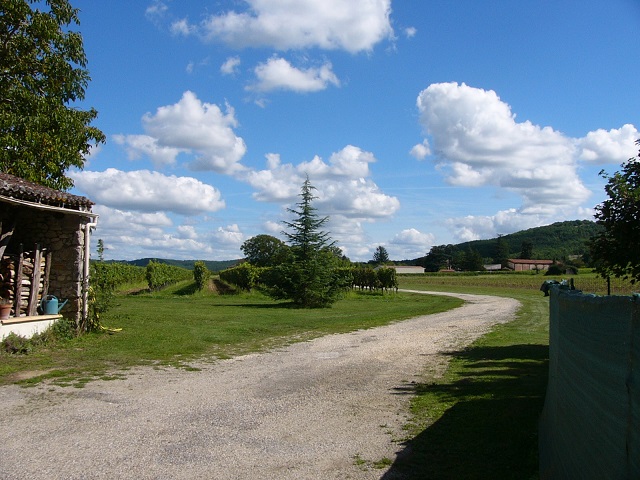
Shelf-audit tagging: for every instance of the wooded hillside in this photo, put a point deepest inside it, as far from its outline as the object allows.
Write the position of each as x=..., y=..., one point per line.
x=554, y=242
x=557, y=241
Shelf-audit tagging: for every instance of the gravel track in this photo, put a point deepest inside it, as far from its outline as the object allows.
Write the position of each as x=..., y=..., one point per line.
x=323, y=409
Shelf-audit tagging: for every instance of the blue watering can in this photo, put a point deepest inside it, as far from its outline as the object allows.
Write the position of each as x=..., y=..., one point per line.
x=51, y=306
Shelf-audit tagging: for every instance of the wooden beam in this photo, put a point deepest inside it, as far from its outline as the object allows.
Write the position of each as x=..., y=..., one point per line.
x=32, y=308
x=17, y=293
x=47, y=271
x=5, y=237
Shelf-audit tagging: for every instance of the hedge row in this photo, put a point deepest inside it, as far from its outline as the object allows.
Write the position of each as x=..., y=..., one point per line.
x=201, y=275
x=247, y=276
x=370, y=279
x=160, y=275
x=113, y=275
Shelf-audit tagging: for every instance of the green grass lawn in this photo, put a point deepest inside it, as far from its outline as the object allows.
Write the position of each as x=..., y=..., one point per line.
x=480, y=420
x=177, y=326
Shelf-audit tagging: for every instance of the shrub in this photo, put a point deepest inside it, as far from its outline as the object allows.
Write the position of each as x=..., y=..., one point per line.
x=365, y=278
x=16, y=344
x=554, y=270
x=245, y=276
x=63, y=329
x=201, y=275
x=103, y=280
x=387, y=278
x=160, y=275
x=60, y=331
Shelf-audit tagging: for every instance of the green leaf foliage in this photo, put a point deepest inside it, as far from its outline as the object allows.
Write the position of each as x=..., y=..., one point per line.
x=245, y=276
x=615, y=248
x=104, y=279
x=42, y=73
x=160, y=275
x=201, y=275
x=265, y=251
x=381, y=255
x=309, y=277
x=212, y=265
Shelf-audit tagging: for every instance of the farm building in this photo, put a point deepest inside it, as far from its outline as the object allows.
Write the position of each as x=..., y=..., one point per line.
x=493, y=267
x=406, y=268
x=521, y=265
x=44, y=253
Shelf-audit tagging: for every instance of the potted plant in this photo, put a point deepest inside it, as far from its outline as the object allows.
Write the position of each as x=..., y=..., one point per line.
x=5, y=308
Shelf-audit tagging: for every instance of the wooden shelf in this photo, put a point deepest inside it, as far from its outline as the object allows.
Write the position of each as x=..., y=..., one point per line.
x=31, y=318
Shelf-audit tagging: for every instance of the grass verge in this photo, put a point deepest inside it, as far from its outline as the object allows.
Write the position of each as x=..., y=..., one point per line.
x=480, y=419
x=180, y=325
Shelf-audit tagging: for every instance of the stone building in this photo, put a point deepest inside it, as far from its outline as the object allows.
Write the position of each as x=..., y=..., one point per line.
x=44, y=248
x=520, y=265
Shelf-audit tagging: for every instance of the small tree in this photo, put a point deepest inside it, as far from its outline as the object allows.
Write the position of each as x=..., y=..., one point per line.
x=100, y=250
x=614, y=249
x=440, y=256
x=309, y=278
x=501, y=251
x=264, y=251
x=380, y=256
x=526, y=250
x=472, y=261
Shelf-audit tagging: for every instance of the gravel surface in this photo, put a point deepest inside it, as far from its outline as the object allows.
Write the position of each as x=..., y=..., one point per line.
x=323, y=409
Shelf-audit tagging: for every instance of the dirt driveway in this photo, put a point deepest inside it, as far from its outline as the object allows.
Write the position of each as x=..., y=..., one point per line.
x=323, y=409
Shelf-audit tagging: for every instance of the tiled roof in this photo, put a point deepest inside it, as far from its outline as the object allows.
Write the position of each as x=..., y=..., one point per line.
x=20, y=189
x=530, y=262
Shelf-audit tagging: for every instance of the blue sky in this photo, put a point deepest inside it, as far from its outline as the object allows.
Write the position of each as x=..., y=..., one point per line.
x=419, y=122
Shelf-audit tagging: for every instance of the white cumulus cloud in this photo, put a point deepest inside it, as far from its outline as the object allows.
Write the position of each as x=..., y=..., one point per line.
x=146, y=191
x=182, y=27
x=156, y=11
x=278, y=74
x=478, y=142
x=421, y=150
x=613, y=146
x=354, y=26
x=189, y=126
x=411, y=236
x=410, y=32
x=229, y=236
x=230, y=66
x=410, y=243
x=476, y=227
x=342, y=185
x=139, y=145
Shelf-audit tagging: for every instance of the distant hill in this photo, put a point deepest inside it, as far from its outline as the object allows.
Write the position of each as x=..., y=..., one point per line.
x=556, y=241
x=212, y=265
x=553, y=242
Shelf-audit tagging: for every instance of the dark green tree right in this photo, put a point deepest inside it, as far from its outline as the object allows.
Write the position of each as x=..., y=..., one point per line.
x=615, y=250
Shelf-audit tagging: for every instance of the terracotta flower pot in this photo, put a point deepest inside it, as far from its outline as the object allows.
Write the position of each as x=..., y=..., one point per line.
x=5, y=311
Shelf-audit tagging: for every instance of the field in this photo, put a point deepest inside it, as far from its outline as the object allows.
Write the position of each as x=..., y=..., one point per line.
x=585, y=280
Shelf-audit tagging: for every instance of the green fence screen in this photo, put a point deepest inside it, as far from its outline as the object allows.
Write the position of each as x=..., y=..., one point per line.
x=590, y=425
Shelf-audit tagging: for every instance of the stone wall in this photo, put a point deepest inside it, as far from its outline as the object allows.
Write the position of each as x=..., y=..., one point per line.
x=61, y=234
